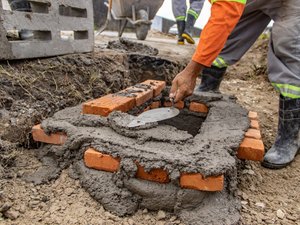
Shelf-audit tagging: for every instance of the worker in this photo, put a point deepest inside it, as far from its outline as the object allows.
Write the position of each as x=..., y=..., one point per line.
x=23, y=6
x=283, y=61
x=186, y=19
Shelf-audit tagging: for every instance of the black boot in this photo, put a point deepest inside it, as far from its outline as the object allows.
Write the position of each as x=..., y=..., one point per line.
x=211, y=79
x=180, y=27
x=187, y=34
x=286, y=145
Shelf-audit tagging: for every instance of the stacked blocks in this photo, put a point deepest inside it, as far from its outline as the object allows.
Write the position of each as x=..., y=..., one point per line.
x=124, y=100
x=59, y=27
x=252, y=147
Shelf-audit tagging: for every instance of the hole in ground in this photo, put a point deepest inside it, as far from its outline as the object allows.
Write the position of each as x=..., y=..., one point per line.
x=186, y=121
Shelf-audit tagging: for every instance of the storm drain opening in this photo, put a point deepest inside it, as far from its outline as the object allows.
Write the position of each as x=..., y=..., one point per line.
x=186, y=121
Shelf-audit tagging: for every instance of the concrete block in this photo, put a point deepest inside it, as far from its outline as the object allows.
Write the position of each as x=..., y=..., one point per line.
x=50, y=21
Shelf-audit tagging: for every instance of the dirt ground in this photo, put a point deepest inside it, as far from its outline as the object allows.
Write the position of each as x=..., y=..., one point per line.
x=35, y=89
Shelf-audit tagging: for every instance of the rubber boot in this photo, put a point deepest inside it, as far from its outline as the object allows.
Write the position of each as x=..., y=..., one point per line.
x=180, y=27
x=286, y=145
x=211, y=79
x=187, y=34
x=22, y=6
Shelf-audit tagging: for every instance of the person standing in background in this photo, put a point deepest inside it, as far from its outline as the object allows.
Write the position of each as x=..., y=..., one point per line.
x=186, y=19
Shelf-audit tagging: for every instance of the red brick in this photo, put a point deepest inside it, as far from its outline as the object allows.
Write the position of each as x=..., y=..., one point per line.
x=155, y=105
x=198, y=107
x=254, y=124
x=105, y=105
x=179, y=105
x=251, y=149
x=141, y=95
x=253, y=115
x=96, y=160
x=39, y=135
x=156, y=85
x=198, y=182
x=253, y=133
x=156, y=175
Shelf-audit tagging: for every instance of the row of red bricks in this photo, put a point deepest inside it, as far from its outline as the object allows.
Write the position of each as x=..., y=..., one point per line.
x=251, y=148
x=104, y=162
x=134, y=96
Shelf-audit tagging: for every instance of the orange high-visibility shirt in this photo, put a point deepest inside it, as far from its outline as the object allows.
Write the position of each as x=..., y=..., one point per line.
x=225, y=14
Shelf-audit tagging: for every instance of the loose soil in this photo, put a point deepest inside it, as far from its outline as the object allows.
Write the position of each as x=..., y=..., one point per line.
x=33, y=90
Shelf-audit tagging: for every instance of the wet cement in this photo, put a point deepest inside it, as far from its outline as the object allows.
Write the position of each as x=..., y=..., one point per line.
x=210, y=152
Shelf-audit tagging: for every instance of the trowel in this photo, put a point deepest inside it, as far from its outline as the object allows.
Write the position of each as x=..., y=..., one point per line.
x=154, y=115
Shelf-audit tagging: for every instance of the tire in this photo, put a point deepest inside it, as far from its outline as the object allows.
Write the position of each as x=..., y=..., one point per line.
x=142, y=28
x=142, y=31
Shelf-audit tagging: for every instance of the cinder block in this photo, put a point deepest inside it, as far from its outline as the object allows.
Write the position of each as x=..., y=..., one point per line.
x=253, y=115
x=251, y=149
x=105, y=105
x=155, y=105
x=253, y=133
x=47, y=20
x=96, y=160
x=156, y=85
x=198, y=182
x=198, y=107
x=156, y=175
x=39, y=135
x=179, y=105
x=254, y=124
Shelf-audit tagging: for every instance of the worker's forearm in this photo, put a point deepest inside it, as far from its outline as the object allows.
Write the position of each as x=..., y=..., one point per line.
x=194, y=69
x=224, y=17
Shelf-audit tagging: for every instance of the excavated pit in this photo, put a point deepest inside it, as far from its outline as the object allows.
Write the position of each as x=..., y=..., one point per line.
x=186, y=121
x=207, y=145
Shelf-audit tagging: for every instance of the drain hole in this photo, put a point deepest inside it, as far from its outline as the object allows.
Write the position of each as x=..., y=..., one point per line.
x=186, y=121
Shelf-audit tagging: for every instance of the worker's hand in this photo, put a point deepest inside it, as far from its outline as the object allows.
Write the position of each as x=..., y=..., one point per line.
x=184, y=83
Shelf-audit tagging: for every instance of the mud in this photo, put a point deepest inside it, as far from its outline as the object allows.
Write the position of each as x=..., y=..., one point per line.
x=128, y=46
x=152, y=67
x=210, y=152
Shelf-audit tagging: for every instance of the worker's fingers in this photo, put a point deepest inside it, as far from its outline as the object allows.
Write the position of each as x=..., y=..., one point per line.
x=179, y=95
x=174, y=88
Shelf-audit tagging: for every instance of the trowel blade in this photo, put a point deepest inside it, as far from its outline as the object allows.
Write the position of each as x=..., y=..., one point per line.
x=154, y=115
